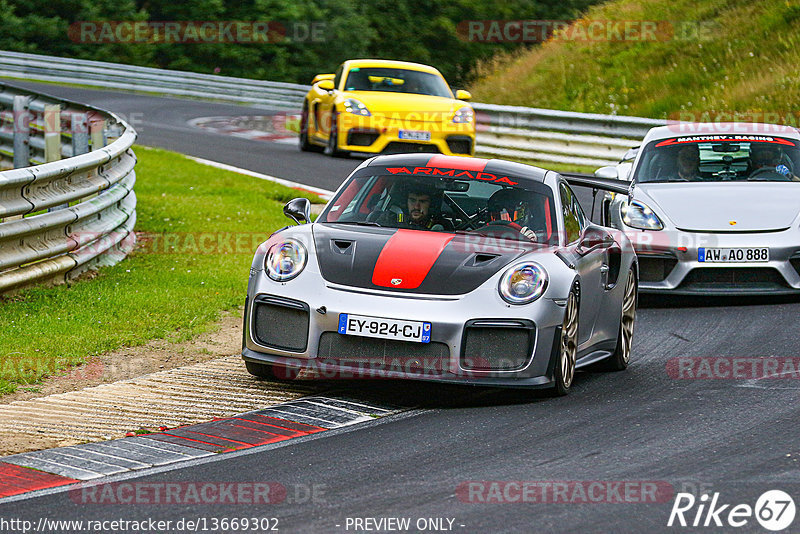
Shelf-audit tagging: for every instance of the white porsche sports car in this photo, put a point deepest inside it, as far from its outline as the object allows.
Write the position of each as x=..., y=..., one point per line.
x=713, y=208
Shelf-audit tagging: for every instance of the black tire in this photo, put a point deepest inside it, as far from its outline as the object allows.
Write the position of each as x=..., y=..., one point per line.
x=622, y=354
x=564, y=372
x=332, y=148
x=305, y=144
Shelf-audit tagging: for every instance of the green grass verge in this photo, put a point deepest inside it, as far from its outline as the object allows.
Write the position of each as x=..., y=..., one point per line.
x=718, y=55
x=213, y=219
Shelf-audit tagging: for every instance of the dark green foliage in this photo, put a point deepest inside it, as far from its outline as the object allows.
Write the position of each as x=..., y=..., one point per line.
x=425, y=31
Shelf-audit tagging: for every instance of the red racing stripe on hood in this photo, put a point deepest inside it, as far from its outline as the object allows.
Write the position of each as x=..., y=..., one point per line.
x=407, y=257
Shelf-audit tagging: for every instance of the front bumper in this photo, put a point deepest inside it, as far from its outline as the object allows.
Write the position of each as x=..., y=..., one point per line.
x=377, y=134
x=445, y=359
x=668, y=263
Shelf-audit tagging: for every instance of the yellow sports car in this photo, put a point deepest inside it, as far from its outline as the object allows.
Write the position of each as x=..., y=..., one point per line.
x=375, y=105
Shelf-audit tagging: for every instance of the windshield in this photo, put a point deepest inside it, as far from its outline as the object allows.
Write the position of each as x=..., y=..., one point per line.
x=714, y=158
x=396, y=81
x=446, y=204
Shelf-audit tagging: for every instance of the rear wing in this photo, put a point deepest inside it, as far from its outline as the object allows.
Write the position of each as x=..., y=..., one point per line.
x=605, y=184
x=596, y=184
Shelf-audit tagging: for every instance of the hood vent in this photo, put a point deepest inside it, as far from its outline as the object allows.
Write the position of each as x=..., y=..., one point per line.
x=342, y=246
x=481, y=258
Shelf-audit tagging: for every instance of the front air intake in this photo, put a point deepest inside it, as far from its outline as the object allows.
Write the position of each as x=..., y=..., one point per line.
x=497, y=344
x=372, y=354
x=280, y=323
x=654, y=268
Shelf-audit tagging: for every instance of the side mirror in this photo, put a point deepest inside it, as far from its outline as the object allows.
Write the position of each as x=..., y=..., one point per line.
x=631, y=154
x=624, y=170
x=609, y=172
x=298, y=209
x=461, y=94
x=320, y=77
x=594, y=238
x=326, y=85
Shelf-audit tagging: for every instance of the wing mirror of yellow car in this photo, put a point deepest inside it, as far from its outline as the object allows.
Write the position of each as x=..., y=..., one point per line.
x=326, y=85
x=320, y=77
x=461, y=94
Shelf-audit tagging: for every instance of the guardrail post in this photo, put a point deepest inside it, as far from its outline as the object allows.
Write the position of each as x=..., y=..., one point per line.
x=98, y=132
x=21, y=116
x=79, y=127
x=52, y=132
x=22, y=132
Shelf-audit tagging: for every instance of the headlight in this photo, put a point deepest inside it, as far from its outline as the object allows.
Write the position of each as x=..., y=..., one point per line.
x=356, y=107
x=523, y=283
x=465, y=114
x=285, y=260
x=639, y=215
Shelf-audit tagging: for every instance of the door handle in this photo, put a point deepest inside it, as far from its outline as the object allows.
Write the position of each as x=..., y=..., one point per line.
x=604, y=276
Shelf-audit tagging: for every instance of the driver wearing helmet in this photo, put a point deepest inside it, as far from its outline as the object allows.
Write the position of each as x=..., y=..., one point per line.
x=688, y=163
x=766, y=160
x=509, y=207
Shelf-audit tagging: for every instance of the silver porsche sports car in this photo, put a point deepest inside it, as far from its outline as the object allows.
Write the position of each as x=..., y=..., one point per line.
x=713, y=208
x=447, y=269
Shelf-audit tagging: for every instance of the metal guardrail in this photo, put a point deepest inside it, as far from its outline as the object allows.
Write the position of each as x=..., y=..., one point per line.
x=548, y=135
x=514, y=132
x=61, y=217
x=168, y=82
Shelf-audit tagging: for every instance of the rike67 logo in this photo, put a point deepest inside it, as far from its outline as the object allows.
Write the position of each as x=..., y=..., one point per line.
x=774, y=510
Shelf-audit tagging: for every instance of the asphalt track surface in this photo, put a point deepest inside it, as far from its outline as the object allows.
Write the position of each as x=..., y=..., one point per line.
x=738, y=437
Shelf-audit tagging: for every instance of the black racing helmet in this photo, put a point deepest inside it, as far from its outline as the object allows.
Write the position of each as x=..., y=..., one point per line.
x=508, y=205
